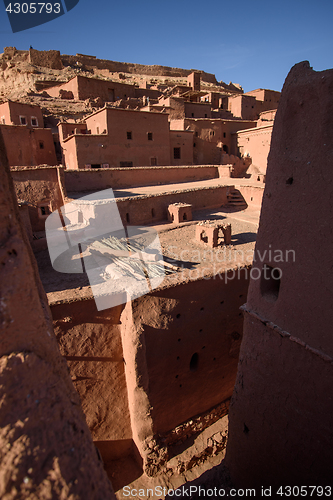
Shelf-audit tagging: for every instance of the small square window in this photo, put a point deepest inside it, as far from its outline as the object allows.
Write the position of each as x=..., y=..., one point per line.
x=129, y=136
x=176, y=153
x=34, y=121
x=150, y=136
x=153, y=162
x=44, y=210
x=23, y=120
x=41, y=144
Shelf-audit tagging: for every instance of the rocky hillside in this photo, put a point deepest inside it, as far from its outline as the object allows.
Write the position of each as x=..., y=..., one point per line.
x=26, y=75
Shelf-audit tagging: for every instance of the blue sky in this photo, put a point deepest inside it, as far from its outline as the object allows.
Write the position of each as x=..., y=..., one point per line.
x=253, y=43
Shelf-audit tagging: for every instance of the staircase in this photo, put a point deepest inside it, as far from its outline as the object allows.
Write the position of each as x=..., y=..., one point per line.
x=236, y=200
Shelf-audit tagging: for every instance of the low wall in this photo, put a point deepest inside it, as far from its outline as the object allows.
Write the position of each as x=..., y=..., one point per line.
x=36, y=185
x=139, y=210
x=119, y=178
x=252, y=195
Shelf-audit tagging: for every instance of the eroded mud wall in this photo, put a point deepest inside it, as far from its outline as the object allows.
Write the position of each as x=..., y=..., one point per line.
x=46, y=447
x=181, y=348
x=281, y=416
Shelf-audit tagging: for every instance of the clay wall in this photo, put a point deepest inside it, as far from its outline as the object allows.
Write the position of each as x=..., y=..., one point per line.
x=108, y=91
x=5, y=117
x=12, y=111
x=45, y=442
x=193, y=80
x=46, y=58
x=215, y=99
x=143, y=92
x=287, y=351
x=70, y=86
x=256, y=143
x=244, y=106
x=89, y=88
x=114, y=66
x=199, y=317
x=65, y=129
x=197, y=110
x=269, y=98
x=115, y=147
x=211, y=137
x=266, y=117
x=252, y=195
x=184, y=141
x=139, y=209
x=120, y=178
x=97, y=123
x=38, y=187
x=176, y=107
x=29, y=147
x=90, y=340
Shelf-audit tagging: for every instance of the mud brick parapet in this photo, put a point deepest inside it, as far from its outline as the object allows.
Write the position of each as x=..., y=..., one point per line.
x=209, y=233
x=179, y=212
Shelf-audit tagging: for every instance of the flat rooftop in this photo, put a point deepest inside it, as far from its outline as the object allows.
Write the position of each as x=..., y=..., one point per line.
x=185, y=258
x=145, y=191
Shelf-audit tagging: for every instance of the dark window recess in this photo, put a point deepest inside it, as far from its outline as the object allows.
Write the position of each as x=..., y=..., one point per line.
x=192, y=114
x=34, y=121
x=196, y=134
x=224, y=134
x=194, y=144
x=129, y=136
x=126, y=164
x=95, y=165
x=153, y=212
x=23, y=120
x=45, y=210
x=225, y=149
x=153, y=162
x=270, y=282
x=205, y=115
x=41, y=144
x=194, y=362
x=127, y=217
x=176, y=153
x=150, y=136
